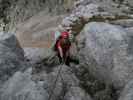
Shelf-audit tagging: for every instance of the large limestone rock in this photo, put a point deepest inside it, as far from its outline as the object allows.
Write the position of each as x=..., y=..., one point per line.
x=11, y=55
x=67, y=85
x=9, y=40
x=21, y=87
x=79, y=94
x=127, y=93
x=39, y=86
x=105, y=51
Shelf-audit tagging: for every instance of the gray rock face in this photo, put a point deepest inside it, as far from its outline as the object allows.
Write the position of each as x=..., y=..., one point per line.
x=28, y=86
x=24, y=86
x=11, y=55
x=21, y=87
x=129, y=31
x=9, y=40
x=98, y=10
x=36, y=54
x=124, y=23
x=79, y=94
x=105, y=50
x=127, y=93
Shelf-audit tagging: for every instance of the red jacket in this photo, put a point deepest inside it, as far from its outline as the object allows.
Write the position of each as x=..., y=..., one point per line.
x=65, y=47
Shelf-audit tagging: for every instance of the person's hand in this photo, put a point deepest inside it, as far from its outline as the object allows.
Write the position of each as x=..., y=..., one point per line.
x=62, y=60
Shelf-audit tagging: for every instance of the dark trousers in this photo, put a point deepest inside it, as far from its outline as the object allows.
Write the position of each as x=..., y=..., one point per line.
x=66, y=59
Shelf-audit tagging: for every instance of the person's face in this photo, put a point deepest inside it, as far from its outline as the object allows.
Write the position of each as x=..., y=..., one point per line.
x=68, y=30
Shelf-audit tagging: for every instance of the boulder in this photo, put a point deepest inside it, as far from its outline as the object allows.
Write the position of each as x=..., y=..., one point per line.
x=21, y=87
x=10, y=41
x=67, y=85
x=127, y=93
x=105, y=51
x=39, y=86
x=11, y=55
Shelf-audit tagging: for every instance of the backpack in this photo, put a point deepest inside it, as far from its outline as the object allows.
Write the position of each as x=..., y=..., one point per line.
x=57, y=34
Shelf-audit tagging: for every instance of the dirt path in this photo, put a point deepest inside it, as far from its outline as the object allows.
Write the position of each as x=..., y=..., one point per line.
x=37, y=31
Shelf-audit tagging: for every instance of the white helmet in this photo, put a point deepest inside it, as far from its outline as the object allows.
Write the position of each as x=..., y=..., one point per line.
x=68, y=28
x=61, y=28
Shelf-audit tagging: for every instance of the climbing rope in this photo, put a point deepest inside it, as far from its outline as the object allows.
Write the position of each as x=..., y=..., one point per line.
x=54, y=85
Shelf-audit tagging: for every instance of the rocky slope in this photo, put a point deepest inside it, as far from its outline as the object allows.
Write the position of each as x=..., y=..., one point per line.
x=19, y=81
x=35, y=35
x=14, y=11
x=103, y=29
x=39, y=87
